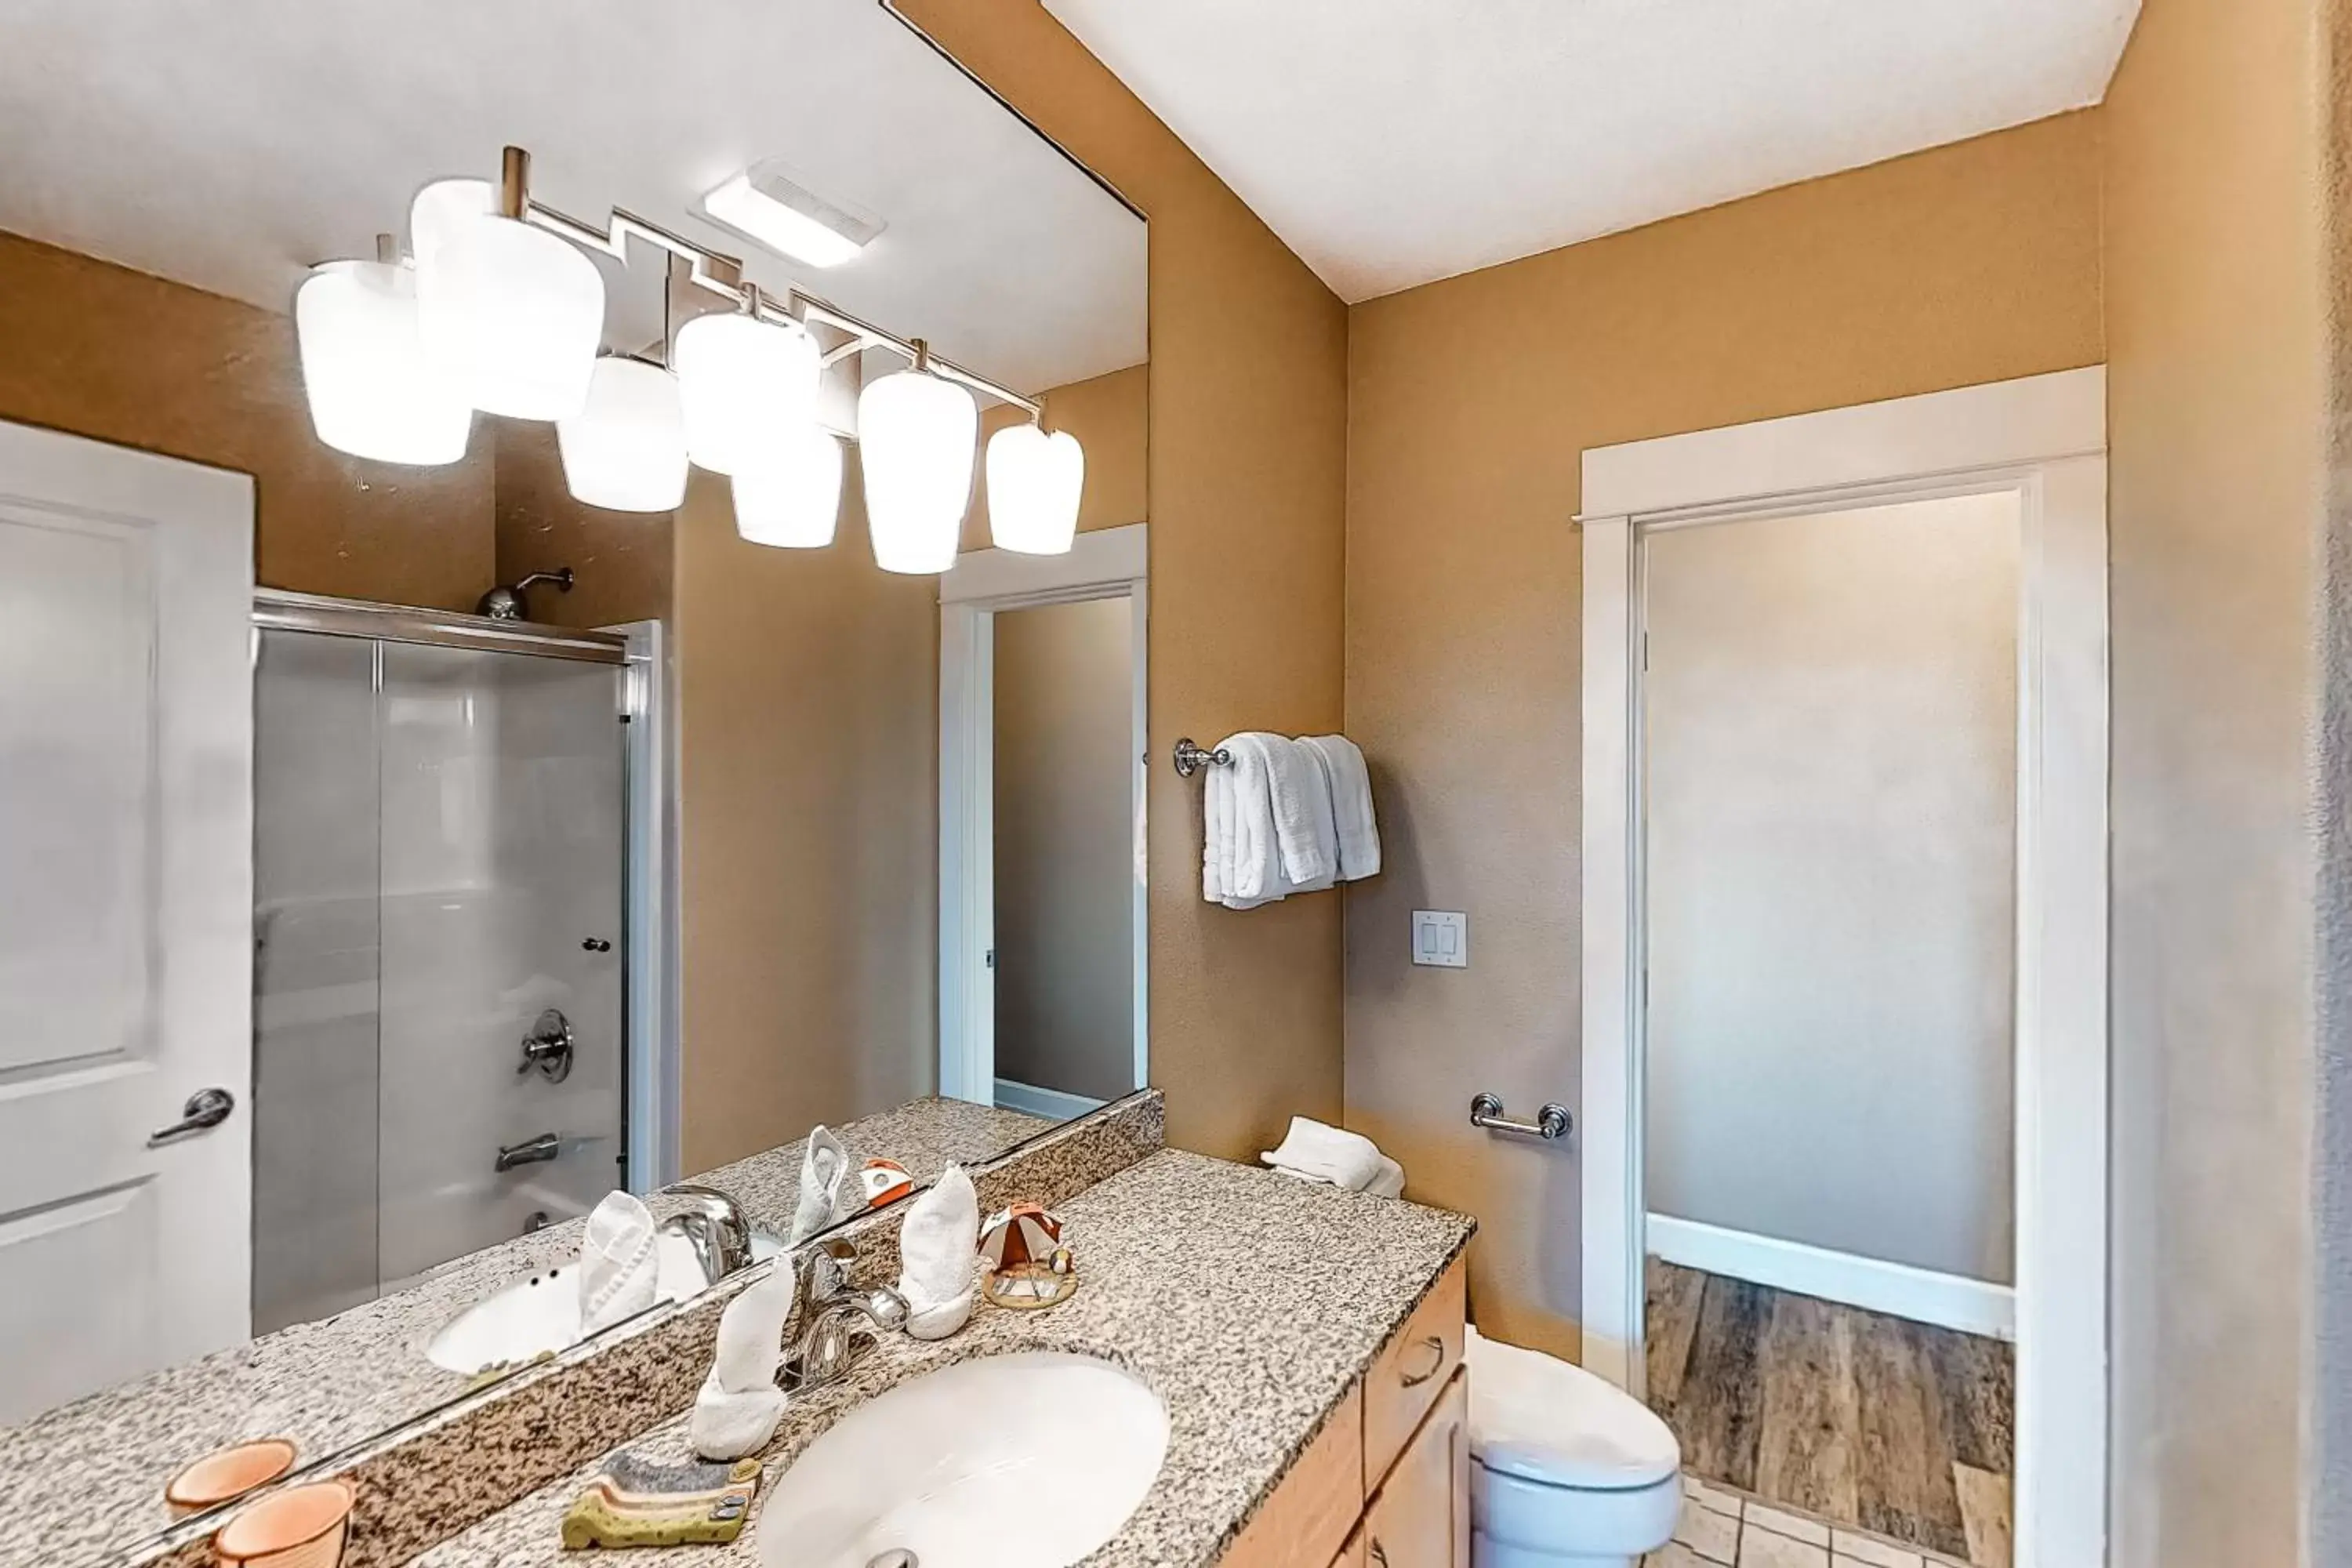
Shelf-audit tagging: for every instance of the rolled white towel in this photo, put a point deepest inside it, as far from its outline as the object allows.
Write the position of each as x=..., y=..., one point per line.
x=825, y=1166
x=938, y=1251
x=737, y=1408
x=620, y=1263
x=1325, y=1153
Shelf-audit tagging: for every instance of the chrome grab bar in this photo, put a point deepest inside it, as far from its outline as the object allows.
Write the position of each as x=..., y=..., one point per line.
x=1552, y=1122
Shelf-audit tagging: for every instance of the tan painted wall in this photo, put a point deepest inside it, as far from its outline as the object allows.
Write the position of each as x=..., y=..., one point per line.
x=1247, y=465
x=1971, y=263
x=102, y=351
x=808, y=783
x=2215, y=341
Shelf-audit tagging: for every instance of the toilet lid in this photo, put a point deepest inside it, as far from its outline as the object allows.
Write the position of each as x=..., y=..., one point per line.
x=1538, y=1417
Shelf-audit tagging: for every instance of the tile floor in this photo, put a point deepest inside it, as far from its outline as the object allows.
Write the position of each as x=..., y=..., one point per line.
x=1721, y=1529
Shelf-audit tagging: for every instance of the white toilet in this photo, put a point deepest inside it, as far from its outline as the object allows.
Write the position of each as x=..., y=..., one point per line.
x=1566, y=1469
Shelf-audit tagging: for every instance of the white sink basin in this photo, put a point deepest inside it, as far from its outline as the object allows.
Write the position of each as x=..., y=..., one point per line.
x=541, y=1313
x=1011, y=1461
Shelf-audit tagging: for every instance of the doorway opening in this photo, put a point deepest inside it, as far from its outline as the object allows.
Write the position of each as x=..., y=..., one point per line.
x=1042, y=876
x=1844, y=929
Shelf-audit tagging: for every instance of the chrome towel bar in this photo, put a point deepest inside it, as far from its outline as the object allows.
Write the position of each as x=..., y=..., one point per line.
x=1552, y=1121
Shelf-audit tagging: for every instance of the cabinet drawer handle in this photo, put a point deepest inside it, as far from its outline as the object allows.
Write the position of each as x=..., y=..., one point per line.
x=1379, y=1554
x=1436, y=1361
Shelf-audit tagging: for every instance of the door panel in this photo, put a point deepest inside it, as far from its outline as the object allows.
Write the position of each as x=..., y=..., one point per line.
x=125, y=934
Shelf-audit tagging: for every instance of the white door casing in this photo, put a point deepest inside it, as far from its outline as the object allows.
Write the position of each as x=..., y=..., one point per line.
x=1103, y=563
x=126, y=911
x=2043, y=438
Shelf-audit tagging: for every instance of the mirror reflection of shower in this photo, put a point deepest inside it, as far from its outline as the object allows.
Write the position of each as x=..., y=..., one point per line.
x=440, y=864
x=510, y=602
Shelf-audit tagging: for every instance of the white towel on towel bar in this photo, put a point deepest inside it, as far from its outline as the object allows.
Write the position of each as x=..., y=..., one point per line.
x=1356, y=831
x=1242, y=852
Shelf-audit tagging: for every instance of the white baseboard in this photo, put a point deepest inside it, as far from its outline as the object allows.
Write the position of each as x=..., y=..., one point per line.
x=1922, y=1295
x=1050, y=1103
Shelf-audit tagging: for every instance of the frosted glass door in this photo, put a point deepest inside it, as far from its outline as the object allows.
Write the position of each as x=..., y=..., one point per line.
x=502, y=863
x=314, y=973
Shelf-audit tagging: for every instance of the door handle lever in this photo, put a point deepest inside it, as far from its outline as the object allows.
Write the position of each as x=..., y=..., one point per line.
x=206, y=1109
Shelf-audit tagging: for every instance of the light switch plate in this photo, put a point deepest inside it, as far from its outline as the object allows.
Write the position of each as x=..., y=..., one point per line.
x=1441, y=937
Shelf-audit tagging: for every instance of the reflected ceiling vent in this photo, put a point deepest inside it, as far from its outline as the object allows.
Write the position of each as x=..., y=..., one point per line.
x=768, y=205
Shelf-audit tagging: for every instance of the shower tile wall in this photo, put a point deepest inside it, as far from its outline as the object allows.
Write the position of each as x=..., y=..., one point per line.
x=501, y=856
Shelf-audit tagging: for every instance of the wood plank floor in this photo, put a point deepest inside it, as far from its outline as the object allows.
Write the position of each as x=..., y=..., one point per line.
x=1895, y=1427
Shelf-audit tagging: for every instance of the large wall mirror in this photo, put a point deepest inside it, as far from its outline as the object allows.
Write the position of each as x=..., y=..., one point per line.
x=454, y=769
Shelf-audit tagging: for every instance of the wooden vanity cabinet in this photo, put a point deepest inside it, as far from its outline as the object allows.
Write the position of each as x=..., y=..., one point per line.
x=1386, y=1483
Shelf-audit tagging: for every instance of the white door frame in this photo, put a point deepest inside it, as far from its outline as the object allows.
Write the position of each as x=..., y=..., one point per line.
x=2044, y=439
x=1104, y=564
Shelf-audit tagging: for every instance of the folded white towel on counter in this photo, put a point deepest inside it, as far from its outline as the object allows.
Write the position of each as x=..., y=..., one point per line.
x=939, y=1254
x=1316, y=1152
x=1353, y=825
x=620, y=1263
x=824, y=1167
x=737, y=1408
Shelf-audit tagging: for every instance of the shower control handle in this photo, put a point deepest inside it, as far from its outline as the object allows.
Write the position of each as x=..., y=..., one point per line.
x=548, y=1046
x=594, y=944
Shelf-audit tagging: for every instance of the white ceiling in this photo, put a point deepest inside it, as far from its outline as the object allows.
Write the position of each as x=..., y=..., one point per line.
x=1390, y=142
x=230, y=144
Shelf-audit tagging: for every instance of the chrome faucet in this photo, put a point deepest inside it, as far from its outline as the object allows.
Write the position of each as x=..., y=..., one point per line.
x=715, y=1227
x=827, y=1305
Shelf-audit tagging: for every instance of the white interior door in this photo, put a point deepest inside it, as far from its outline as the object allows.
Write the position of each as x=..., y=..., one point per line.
x=126, y=908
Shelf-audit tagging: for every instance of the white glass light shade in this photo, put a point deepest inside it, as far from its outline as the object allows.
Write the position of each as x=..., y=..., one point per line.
x=510, y=312
x=793, y=495
x=916, y=435
x=372, y=389
x=746, y=384
x=440, y=208
x=625, y=449
x=1033, y=483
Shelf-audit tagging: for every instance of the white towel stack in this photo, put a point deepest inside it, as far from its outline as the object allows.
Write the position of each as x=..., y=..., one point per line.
x=1314, y=1151
x=1285, y=816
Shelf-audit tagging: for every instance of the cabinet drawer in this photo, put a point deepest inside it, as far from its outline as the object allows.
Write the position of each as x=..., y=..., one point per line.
x=1420, y=1516
x=1307, y=1519
x=1411, y=1372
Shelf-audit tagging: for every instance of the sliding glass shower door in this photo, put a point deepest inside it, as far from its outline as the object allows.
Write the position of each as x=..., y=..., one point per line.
x=439, y=864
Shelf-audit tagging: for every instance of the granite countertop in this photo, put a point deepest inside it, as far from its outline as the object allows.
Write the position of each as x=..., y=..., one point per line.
x=1248, y=1301
x=87, y=1478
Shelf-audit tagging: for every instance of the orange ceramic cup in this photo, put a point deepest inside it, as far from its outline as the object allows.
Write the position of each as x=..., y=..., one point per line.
x=229, y=1473
x=302, y=1527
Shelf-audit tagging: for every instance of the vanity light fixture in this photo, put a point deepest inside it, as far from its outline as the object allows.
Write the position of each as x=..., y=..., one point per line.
x=1034, y=480
x=502, y=311
x=767, y=205
x=792, y=497
x=625, y=449
x=373, y=391
x=511, y=313
x=917, y=436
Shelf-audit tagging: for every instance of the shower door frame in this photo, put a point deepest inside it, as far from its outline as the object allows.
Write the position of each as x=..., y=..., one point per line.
x=649, y=1057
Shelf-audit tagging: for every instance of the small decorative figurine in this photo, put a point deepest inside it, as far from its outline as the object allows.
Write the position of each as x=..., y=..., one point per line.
x=1028, y=1259
x=885, y=1181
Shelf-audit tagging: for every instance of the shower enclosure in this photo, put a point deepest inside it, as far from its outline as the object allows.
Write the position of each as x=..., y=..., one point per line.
x=440, y=969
